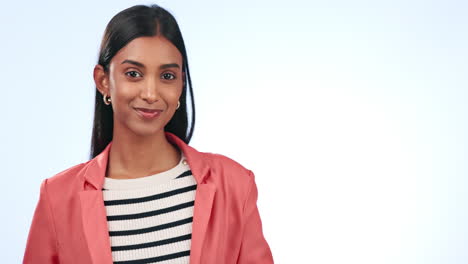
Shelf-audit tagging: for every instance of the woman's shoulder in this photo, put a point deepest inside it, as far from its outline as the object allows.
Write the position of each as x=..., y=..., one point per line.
x=221, y=160
x=230, y=170
x=67, y=178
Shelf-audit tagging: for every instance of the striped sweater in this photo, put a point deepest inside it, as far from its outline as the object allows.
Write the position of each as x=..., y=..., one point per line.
x=150, y=218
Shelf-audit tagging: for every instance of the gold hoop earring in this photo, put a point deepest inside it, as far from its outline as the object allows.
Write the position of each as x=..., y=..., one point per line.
x=107, y=100
x=178, y=105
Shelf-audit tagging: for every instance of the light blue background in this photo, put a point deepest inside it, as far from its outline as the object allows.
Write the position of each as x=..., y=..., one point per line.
x=352, y=114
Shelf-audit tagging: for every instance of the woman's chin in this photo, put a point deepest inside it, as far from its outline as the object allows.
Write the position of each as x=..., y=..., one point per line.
x=146, y=130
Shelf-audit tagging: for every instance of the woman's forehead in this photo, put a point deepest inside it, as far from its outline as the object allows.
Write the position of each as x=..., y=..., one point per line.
x=151, y=51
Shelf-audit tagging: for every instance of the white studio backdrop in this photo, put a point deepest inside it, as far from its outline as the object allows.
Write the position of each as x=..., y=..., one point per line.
x=352, y=115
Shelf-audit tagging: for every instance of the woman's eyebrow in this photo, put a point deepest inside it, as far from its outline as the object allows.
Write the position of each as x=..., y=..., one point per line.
x=164, y=66
x=169, y=65
x=139, y=64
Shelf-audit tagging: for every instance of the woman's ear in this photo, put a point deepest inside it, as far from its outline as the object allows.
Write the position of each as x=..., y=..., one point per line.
x=101, y=79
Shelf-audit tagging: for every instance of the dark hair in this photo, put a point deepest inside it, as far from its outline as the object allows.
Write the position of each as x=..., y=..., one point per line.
x=131, y=23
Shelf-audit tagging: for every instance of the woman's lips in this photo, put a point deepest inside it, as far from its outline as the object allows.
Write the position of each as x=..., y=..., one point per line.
x=148, y=113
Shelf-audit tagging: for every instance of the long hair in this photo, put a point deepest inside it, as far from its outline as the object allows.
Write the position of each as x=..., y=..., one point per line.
x=131, y=23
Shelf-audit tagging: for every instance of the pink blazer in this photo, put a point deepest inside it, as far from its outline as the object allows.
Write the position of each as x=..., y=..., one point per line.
x=70, y=225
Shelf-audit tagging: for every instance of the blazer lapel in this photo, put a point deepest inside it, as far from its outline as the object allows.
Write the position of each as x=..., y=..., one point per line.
x=201, y=216
x=203, y=198
x=95, y=226
x=93, y=211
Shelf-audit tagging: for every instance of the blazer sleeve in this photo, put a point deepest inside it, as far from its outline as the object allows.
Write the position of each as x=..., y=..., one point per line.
x=254, y=247
x=41, y=245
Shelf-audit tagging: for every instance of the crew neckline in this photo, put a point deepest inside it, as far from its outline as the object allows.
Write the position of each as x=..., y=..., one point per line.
x=147, y=181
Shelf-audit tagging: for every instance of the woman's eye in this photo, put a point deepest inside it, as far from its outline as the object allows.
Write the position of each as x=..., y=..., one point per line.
x=133, y=74
x=168, y=76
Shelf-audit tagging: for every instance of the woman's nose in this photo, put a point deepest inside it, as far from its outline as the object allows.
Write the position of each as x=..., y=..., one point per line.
x=150, y=91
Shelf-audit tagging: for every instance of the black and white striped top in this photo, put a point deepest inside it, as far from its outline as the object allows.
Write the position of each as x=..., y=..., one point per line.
x=150, y=218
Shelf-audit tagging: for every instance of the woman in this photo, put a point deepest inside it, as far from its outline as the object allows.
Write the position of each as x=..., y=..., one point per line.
x=145, y=196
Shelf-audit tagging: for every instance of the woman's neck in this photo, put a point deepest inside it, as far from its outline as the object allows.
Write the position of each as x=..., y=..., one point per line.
x=134, y=157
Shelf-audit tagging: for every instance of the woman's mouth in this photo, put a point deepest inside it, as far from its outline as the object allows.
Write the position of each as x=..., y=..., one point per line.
x=148, y=113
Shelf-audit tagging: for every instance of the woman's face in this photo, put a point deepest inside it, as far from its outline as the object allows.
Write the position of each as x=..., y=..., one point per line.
x=146, y=73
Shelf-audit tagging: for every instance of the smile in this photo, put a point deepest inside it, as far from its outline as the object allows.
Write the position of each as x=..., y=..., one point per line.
x=148, y=113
